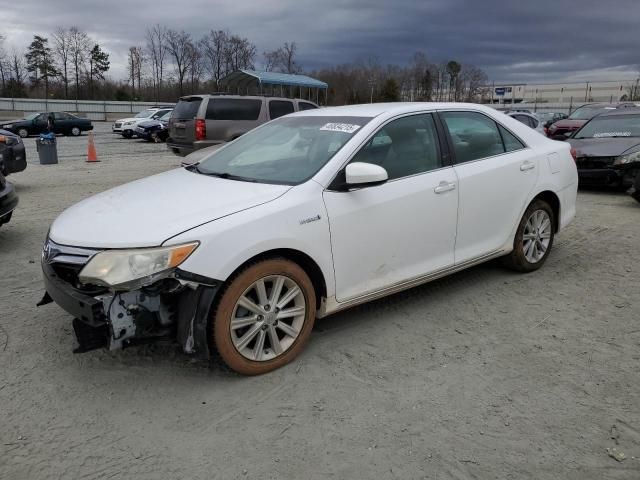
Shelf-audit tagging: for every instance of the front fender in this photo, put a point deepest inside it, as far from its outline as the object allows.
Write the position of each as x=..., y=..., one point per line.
x=296, y=221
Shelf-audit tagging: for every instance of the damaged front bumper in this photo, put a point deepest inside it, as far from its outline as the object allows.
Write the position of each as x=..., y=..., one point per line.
x=175, y=309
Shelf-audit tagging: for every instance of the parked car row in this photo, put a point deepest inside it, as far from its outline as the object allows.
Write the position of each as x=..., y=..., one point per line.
x=127, y=127
x=605, y=140
x=40, y=122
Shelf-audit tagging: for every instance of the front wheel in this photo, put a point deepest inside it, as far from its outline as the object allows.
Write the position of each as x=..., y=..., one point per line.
x=264, y=316
x=75, y=131
x=127, y=133
x=23, y=132
x=534, y=238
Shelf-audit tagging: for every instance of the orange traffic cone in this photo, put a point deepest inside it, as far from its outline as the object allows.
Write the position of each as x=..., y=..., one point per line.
x=92, y=156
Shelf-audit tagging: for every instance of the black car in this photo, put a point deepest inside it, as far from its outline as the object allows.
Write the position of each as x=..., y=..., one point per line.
x=154, y=130
x=36, y=123
x=12, y=155
x=8, y=200
x=607, y=149
x=634, y=191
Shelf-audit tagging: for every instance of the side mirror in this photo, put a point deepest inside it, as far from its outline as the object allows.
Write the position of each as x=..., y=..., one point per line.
x=361, y=174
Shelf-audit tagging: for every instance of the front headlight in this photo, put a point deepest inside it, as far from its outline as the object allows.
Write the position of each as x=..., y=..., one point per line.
x=135, y=267
x=628, y=158
x=8, y=125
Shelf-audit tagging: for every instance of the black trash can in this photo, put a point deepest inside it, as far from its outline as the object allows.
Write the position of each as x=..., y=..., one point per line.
x=47, y=149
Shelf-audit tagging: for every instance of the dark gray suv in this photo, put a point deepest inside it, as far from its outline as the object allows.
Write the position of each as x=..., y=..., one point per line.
x=200, y=121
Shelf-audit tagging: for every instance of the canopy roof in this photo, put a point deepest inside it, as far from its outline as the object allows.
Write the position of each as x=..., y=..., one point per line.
x=243, y=78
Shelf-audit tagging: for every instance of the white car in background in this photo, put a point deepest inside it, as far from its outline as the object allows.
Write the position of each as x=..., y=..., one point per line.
x=127, y=126
x=529, y=119
x=302, y=217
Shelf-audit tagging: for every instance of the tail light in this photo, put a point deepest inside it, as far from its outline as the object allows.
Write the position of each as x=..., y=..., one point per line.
x=201, y=129
x=574, y=154
x=546, y=131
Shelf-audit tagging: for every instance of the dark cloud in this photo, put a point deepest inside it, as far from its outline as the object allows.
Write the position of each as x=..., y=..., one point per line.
x=513, y=40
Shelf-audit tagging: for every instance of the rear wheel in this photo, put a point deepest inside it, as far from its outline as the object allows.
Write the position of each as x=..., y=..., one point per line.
x=534, y=238
x=264, y=317
x=75, y=131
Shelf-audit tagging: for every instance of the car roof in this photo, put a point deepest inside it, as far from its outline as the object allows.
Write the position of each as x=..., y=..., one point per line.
x=396, y=108
x=621, y=112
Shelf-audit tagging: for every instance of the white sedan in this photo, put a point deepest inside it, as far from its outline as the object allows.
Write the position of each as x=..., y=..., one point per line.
x=302, y=217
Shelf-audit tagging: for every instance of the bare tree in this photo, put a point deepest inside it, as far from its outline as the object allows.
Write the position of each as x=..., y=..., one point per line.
x=135, y=62
x=180, y=48
x=62, y=50
x=196, y=66
x=214, y=46
x=79, y=48
x=474, y=83
x=240, y=54
x=4, y=64
x=283, y=59
x=157, y=52
x=18, y=74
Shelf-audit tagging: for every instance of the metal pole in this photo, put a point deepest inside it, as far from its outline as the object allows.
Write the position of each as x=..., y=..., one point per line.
x=570, y=104
x=586, y=91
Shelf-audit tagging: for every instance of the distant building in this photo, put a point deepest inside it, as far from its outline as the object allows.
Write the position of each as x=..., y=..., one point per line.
x=564, y=93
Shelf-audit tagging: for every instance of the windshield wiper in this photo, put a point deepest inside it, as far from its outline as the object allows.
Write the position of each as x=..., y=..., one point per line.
x=226, y=176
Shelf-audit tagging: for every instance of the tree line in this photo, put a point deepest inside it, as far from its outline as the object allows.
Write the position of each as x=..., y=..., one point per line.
x=170, y=63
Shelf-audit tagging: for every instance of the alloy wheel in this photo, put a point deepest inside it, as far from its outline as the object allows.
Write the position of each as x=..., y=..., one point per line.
x=268, y=318
x=537, y=236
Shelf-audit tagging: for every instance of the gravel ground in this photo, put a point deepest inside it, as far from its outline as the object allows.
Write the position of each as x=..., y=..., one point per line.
x=483, y=375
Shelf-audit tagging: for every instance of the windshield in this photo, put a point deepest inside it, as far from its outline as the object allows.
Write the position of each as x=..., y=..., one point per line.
x=166, y=116
x=587, y=113
x=285, y=151
x=611, y=127
x=145, y=114
x=32, y=116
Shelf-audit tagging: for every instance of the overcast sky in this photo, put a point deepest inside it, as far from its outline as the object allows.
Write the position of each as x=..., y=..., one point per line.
x=512, y=40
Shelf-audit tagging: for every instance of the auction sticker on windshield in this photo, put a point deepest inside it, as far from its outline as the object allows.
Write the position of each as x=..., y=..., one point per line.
x=611, y=134
x=340, y=127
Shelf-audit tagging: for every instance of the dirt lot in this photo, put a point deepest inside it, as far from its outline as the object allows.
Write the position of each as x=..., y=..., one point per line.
x=483, y=375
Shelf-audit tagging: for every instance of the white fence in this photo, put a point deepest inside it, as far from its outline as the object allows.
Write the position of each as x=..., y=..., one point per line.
x=11, y=108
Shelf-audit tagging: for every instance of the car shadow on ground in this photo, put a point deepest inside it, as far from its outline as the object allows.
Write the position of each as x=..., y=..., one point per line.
x=372, y=313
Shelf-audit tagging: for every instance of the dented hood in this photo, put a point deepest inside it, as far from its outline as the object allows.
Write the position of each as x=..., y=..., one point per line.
x=147, y=212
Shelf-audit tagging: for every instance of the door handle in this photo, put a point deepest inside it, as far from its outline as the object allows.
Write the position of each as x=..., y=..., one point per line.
x=444, y=187
x=527, y=166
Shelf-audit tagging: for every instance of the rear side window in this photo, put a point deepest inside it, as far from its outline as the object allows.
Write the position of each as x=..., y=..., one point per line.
x=187, y=108
x=306, y=106
x=474, y=135
x=233, y=109
x=279, y=108
x=511, y=143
